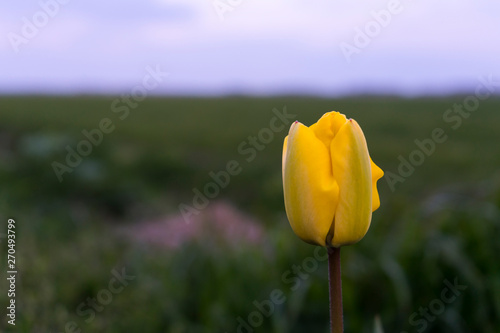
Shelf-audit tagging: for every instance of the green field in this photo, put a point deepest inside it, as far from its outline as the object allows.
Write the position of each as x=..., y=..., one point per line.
x=440, y=225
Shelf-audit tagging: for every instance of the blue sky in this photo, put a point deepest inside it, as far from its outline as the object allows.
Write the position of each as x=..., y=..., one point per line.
x=249, y=47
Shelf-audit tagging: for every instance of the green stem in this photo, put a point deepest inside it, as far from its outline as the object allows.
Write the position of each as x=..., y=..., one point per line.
x=336, y=312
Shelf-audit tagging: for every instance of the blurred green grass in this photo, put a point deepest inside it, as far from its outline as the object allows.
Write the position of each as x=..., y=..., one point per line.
x=442, y=223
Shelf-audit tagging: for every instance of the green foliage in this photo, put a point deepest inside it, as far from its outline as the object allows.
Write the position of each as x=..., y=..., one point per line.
x=442, y=223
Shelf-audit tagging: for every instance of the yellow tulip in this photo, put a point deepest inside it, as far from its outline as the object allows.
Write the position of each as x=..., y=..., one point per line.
x=329, y=181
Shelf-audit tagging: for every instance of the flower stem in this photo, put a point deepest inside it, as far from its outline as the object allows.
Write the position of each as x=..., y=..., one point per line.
x=336, y=312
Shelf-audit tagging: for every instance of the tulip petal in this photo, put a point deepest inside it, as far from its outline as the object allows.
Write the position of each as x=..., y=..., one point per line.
x=352, y=169
x=285, y=147
x=377, y=173
x=328, y=126
x=309, y=187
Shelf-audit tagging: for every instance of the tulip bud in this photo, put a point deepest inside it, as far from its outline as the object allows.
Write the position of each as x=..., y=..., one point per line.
x=329, y=181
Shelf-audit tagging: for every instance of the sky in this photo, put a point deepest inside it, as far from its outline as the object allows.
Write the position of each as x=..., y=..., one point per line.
x=253, y=47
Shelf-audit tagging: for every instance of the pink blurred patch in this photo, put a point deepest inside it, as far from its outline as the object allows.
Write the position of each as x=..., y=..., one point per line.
x=220, y=222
